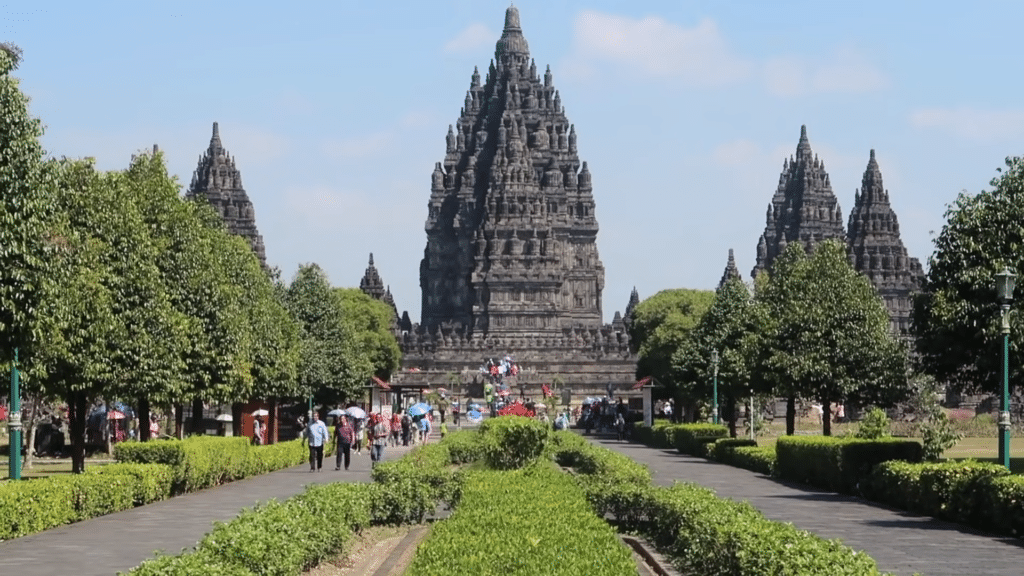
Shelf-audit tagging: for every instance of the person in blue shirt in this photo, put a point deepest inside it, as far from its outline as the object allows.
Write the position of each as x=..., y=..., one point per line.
x=316, y=433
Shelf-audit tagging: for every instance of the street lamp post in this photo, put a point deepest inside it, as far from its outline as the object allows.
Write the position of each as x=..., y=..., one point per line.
x=14, y=424
x=714, y=364
x=1004, y=287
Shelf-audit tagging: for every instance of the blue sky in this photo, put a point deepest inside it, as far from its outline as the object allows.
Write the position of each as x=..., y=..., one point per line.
x=337, y=111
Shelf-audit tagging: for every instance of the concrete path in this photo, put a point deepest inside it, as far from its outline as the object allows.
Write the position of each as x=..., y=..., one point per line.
x=901, y=542
x=119, y=542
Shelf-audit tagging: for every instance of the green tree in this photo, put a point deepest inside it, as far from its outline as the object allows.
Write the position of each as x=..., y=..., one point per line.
x=827, y=335
x=26, y=207
x=956, y=317
x=367, y=322
x=661, y=327
x=727, y=326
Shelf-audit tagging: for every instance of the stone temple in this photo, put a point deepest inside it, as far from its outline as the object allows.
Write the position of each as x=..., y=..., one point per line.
x=804, y=209
x=511, y=265
x=219, y=182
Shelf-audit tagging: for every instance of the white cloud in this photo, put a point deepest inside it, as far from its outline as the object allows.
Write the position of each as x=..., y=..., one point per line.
x=658, y=48
x=844, y=71
x=972, y=123
x=472, y=37
x=360, y=146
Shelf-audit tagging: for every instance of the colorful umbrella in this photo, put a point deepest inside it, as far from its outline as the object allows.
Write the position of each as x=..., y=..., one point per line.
x=356, y=412
x=115, y=415
x=336, y=412
x=419, y=409
x=474, y=416
x=260, y=412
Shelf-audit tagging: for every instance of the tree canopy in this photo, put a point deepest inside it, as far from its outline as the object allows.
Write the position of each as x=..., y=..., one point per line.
x=957, y=318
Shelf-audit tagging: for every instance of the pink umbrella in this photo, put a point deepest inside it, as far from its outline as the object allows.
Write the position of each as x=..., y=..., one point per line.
x=115, y=415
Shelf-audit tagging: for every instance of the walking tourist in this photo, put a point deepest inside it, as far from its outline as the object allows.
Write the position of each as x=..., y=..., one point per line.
x=379, y=432
x=396, y=427
x=359, y=426
x=344, y=434
x=316, y=433
x=257, y=431
x=406, y=428
x=424, y=429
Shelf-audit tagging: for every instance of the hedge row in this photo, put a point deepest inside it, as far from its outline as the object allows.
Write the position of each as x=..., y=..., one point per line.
x=704, y=534
x=287, y=538
x=980, y=494
x=548, y=529
x=200, y=462
x=31, y=506
x=838, y=464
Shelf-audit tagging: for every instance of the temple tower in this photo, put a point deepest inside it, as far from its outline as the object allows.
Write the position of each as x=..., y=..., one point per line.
x=219, y=182
x=372, y=285
x=511, y=228
x=731, y=271
x=803, y=209
x=877, y=251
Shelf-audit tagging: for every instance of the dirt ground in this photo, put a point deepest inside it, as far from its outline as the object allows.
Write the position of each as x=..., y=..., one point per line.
x=370, y=550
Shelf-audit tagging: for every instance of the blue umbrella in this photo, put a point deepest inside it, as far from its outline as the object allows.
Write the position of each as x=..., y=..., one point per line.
x=419, y=409
x=474, y=415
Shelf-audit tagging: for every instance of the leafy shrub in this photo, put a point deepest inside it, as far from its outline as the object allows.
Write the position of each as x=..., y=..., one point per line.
x=513, y=441
x=938, y=435
x=30, y=506
x=427, y=466
x=464, y=446
x=152, y=481
x=708, y=535
x=1002, y=504
x=954, y=490
x=100, y=494
x=722, y=449
x=402, y=501
x=692, y=438
x=874, y=425
x=551, y=530
x=755, y=458
x=838, y=464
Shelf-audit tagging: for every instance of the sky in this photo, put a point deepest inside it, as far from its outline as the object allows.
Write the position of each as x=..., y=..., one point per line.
x=337, y=111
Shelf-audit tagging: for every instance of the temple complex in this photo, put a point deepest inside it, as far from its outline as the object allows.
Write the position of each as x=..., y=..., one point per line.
x=511, y=265
x=805, y=209
x=372, y=285
x=219, y=182
x=876, y=249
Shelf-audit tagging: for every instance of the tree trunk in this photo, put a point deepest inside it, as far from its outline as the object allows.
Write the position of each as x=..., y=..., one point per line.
x=144, y=419
x=179, y=421
x=236, y=418
x=730, y=412
x=826, y=416
x=790, y=415
x=28, y=433
x=196, y=423
x=77, y=406
x=273, y=421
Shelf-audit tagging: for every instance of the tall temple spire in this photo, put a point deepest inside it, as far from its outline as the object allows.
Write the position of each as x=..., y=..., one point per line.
x=634, y=300
x=804, y=208
x=372, y=285
x=511, y=226
x=218, y=181
x=731, y=271
x=876, y=249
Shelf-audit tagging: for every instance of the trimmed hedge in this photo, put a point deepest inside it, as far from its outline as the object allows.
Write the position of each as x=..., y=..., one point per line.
x=838, y=464
x=427, y=466
x=701, y=532
x=200, y=462
x=464, y=446
x=550, y=530
x=961, y=491
x=722, y=449
x=513, y=441
x=692, y=439
x=31, y=506
x=755, y=458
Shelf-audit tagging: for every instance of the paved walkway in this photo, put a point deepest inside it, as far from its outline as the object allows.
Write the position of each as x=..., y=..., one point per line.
x=119, y=542
x=901, y=542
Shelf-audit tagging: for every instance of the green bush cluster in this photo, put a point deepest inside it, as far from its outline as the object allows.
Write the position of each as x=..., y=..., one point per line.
x=200, y=462
x=756, y=458
x=838, y=464
x=35, y=505
x=426, y=475
x=701, y=532
x=276, y=538
x=465, y=446
x=709, y=535
x=723, y=449
x=693, y=439
x=542, y=526
x=981, y=494
x=512, y=442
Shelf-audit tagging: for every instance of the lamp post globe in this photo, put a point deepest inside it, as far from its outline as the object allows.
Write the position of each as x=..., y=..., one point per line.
x=1005, y=283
